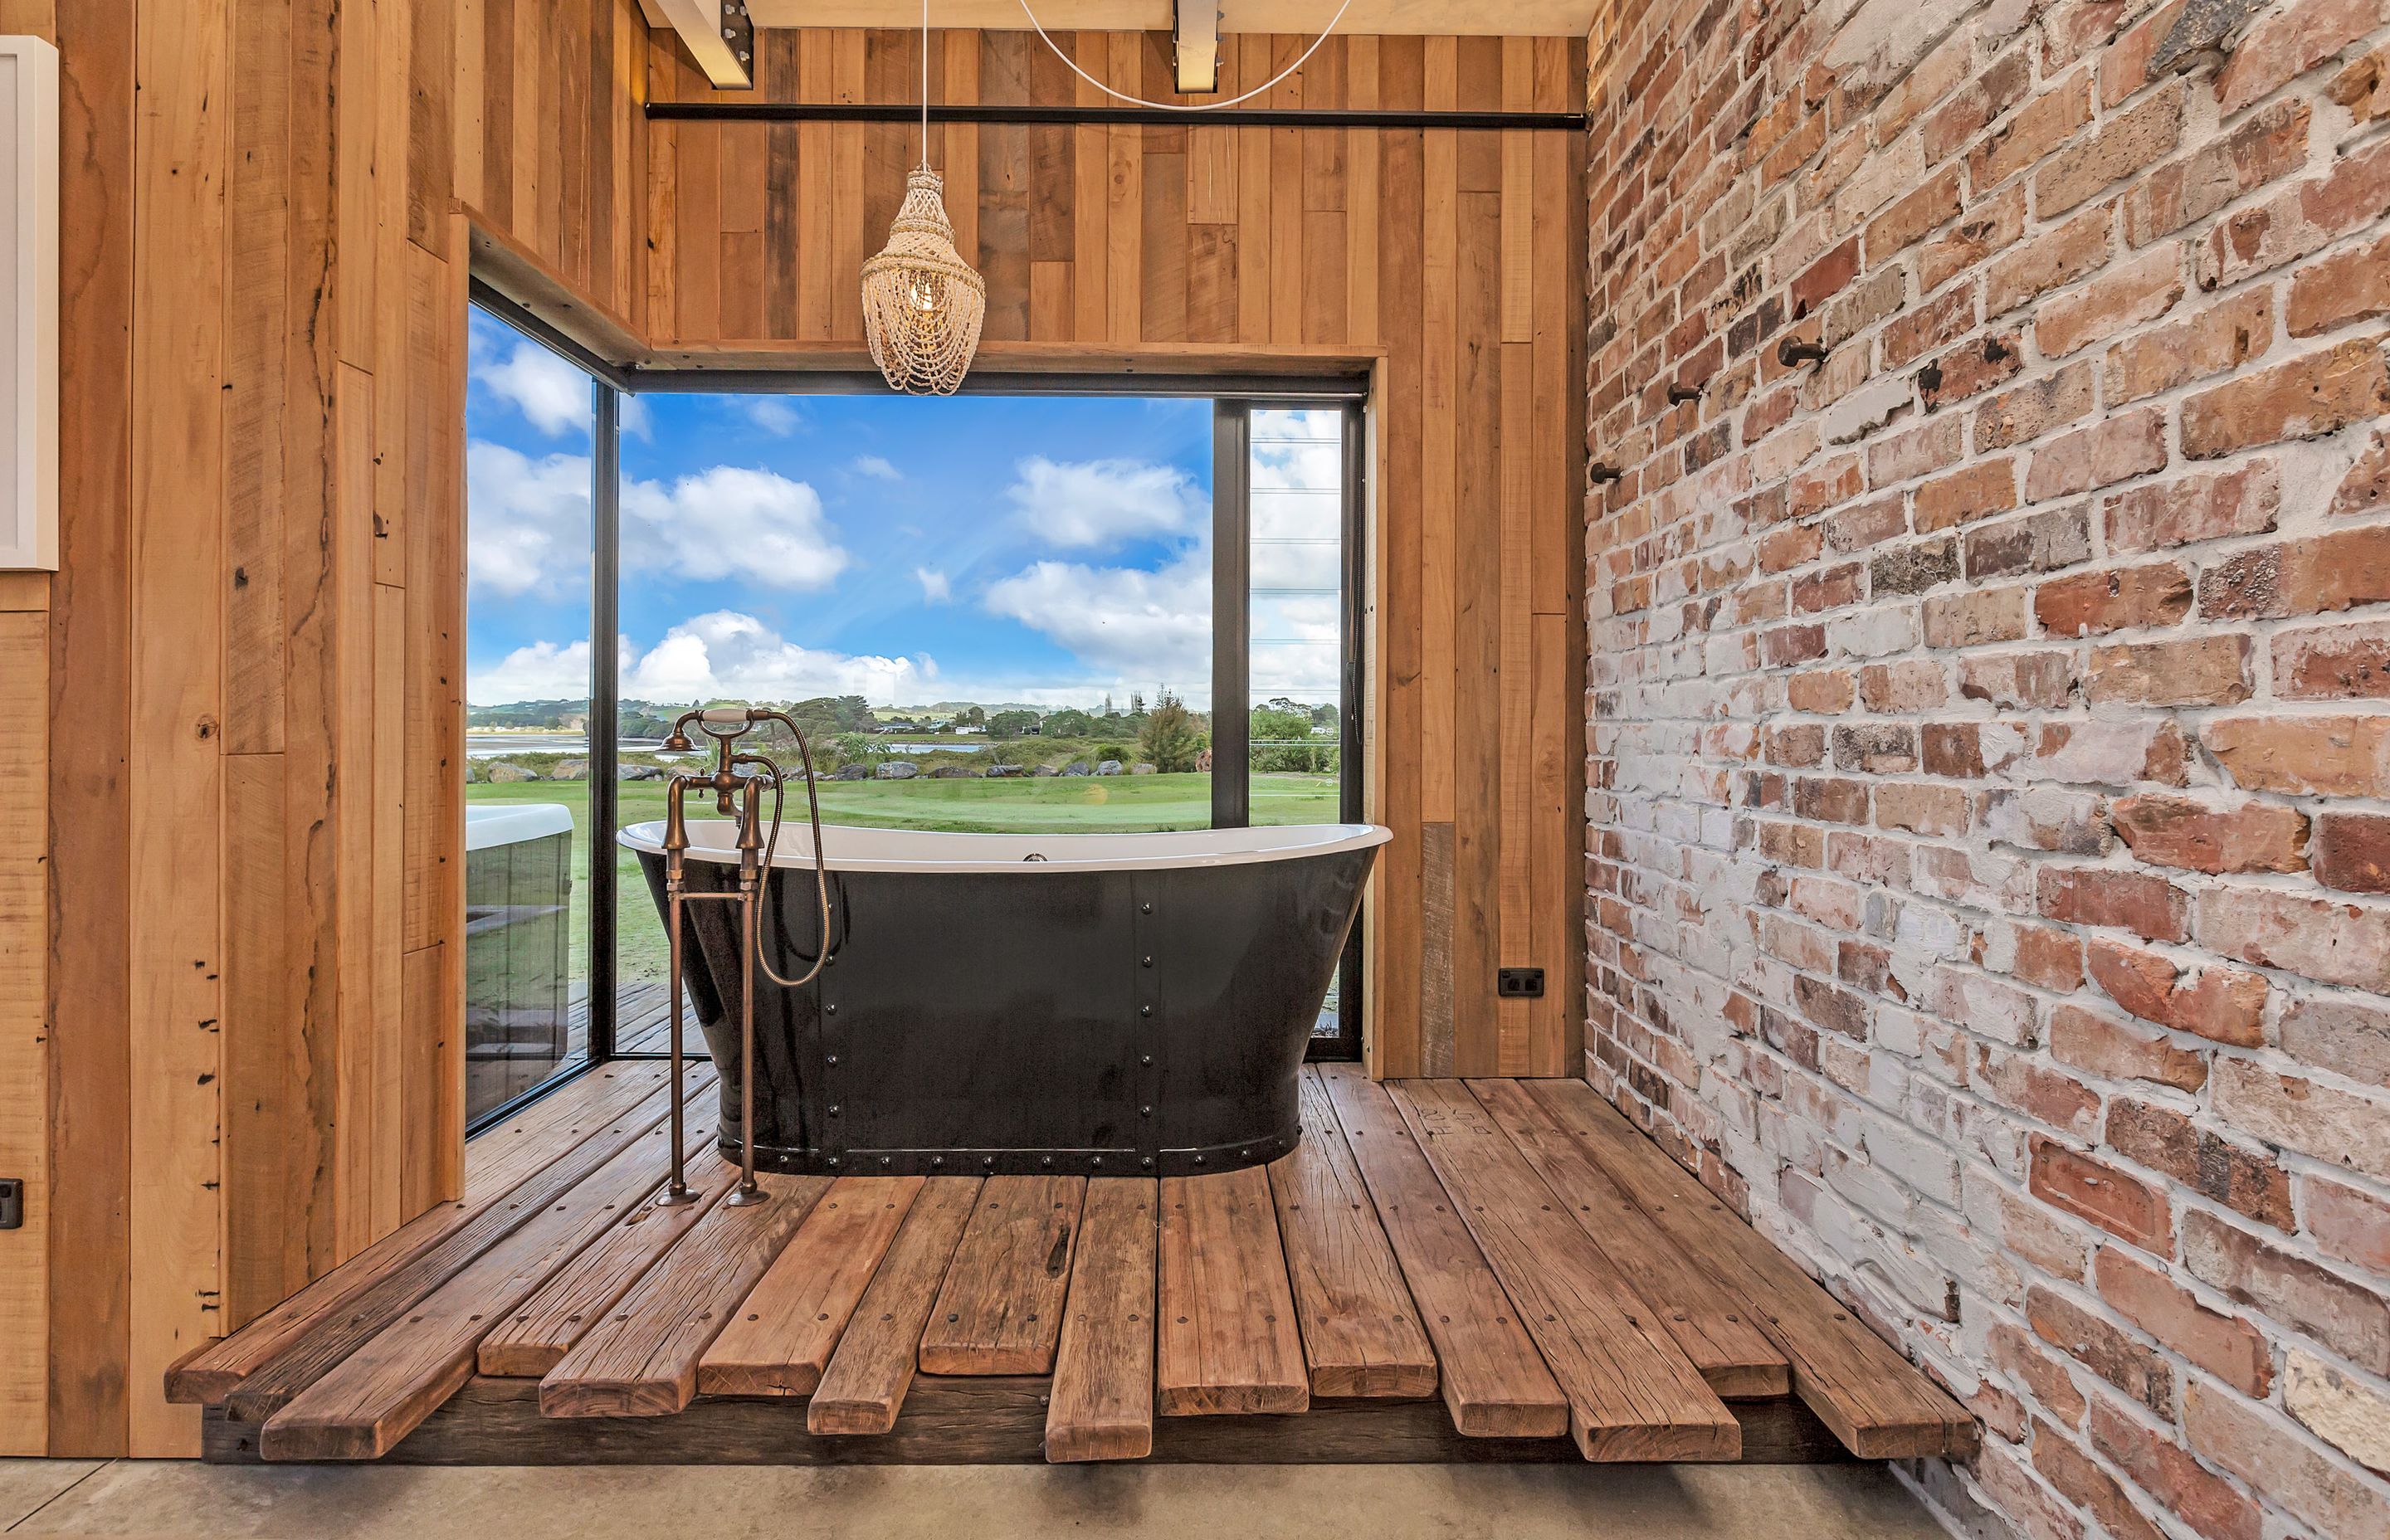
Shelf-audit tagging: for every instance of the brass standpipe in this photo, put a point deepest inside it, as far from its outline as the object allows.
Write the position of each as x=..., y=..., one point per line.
x=741, y=795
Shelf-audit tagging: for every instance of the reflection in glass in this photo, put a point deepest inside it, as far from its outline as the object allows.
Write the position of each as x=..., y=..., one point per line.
x=528, y=420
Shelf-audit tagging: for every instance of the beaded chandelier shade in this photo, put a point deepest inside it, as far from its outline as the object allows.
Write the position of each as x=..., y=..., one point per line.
x=922, y=304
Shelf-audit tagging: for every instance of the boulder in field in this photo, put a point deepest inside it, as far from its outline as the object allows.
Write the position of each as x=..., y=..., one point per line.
x=998, y=772
x=898, y=770
x=1044, y=770
x=512, y=775
x=640, y=772
x=1109, y=767
x=852, y=772
x=569, y=770
x=1076, y=767
x=953, y=773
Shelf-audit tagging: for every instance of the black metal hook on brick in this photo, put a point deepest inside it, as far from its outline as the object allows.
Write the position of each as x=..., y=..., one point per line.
x=1599, y=473
x=1680, y=394
x=1794, y=352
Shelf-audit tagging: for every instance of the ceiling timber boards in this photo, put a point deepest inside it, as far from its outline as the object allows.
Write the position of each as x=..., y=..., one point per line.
x=1384, y=18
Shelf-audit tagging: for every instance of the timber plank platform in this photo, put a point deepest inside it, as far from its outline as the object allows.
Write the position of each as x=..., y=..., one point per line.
x=1443, y=1271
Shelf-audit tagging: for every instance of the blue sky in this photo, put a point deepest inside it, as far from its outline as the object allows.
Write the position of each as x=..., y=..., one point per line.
x=954, y=548
x=1043, y=549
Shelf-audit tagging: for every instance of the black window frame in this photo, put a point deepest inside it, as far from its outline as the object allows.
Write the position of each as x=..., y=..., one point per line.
x=1234, y=398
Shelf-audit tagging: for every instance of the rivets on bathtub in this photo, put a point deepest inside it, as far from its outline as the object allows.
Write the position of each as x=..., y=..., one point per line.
x=988, y=1160
x=1046, y=1160
x=883, y=1160
x=937, y=1159
x=1145, y=1112
x=1145, y=1010
x=831, y=1009
x=833, y=1059
x=1244, y=1154
x=1147, y=1162
x=1147, y=961
x=831, y=1160
x=833, y=1109
x=1145, y=908
x=1095, y=1159
x=1199, y=1159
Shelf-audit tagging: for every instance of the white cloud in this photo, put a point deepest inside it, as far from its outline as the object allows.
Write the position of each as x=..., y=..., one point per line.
x=936, y=588
x=1150, y=626
x=733, y=655
x=721, y=653
x=727, y=653
x=1095, y=503
x=635, y=419
x=728, y=521
x=528, y=525
x=527, y=522
x=550, y=393
x=877, y=468
x=773, y=416
x=543, y=671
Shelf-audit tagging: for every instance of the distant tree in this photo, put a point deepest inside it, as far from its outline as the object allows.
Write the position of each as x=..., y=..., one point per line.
x=1136, y=703
x=1169, y=741
x=1069, y=723
x=1282, y=739
x=973, y=716
x=1108, y=704
x=1010, y=723
x=854, y=746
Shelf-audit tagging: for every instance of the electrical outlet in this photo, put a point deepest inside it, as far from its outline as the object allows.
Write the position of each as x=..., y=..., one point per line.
x=1519, y=984
x=12, y=1204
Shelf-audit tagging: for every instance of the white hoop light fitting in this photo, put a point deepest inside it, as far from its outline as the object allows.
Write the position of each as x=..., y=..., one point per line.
x=1183, y=106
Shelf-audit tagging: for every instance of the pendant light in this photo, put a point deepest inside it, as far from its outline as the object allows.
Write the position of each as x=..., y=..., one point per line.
x=922, y=304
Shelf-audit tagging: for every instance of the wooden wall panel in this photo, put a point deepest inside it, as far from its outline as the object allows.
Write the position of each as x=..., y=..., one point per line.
x=1249, y=242
x=230, y=971
x=24, y=989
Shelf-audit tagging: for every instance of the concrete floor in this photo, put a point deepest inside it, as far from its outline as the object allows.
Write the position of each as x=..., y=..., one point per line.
x=1847, y=1502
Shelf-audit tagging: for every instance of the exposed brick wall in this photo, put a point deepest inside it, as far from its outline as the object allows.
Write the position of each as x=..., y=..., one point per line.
x=1989, y=731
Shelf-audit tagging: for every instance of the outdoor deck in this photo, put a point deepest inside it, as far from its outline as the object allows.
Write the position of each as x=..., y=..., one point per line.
x=1443, y=1271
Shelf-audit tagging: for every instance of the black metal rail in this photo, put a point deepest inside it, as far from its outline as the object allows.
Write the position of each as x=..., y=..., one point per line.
x=1007, y=113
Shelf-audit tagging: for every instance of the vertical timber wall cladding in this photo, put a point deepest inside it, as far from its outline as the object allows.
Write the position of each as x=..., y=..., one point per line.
x=1454, y=258
x=1988, y=752
x=229, y=1055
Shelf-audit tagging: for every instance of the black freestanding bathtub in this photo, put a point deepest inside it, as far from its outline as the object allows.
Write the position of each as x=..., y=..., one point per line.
x=1098, y=1004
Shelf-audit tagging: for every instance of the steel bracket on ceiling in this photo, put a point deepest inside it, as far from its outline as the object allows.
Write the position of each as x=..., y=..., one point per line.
x=720, y=37
x=1197, y=26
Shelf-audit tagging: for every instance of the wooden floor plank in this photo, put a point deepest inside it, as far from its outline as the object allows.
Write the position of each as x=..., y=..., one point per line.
x=1228, y=1336
x=358, y=1320
x=1493, y=1382
x=207, y=1376
x=511, y=1149
x=1714, y=1327
x=383, y=1391
x=778, y=1342
x=641, y=1360
x=1102, y=1403
x=1632, y=1395
x=1001, y=1309
x=1361, y=1334
x=983, y=1420
x=540, y=1331
x=1877, y=1402
x=863, y=1389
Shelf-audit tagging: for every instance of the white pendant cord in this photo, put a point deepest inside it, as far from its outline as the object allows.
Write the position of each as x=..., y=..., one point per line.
x=1182, y=107
x=925, y=84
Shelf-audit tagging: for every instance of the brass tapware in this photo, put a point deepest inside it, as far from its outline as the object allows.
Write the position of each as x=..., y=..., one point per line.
x=742, y=794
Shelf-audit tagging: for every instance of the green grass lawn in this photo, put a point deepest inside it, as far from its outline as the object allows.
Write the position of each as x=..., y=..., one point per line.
x=1060, y=804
